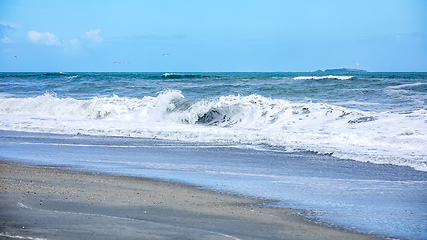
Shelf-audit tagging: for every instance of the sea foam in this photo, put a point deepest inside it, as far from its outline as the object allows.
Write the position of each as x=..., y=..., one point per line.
x=323, y=77
x=378, y=137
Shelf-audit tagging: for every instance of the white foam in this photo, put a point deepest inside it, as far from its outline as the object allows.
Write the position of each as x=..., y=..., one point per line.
x=383, y=138
x=406, y=85
x=19, y=237
x=323, y=77
x=169, y=74
x=5, y=95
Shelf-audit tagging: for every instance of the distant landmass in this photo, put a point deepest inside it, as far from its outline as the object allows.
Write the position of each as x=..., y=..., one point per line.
x=342, y=70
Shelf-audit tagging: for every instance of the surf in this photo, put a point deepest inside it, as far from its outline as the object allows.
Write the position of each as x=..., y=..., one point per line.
x=377, y=137
x=323, y=77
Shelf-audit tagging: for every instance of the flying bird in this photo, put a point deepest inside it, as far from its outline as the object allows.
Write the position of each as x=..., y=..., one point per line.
x=356, y=63
x=165, y=54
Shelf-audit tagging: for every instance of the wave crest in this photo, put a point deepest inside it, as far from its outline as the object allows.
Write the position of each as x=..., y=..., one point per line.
x=49, y=105
x=323, y=77
x=182, y=76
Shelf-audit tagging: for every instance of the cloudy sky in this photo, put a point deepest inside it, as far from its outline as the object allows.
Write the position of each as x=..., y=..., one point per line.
x=208, y=35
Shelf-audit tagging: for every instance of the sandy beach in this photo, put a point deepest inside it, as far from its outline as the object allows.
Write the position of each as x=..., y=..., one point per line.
x=43, y=202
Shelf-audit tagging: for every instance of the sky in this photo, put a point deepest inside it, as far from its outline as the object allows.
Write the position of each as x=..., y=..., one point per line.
x=212, y=35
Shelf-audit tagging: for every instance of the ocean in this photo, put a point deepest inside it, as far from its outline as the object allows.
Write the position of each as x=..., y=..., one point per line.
x=350, y=147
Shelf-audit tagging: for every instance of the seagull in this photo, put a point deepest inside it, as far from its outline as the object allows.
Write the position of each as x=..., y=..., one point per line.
x=356, y=63
x=165, y=54
x=116, y=62
x=16, y=56
x=125, y=62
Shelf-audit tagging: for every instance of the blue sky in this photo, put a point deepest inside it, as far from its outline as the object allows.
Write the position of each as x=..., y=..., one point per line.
x=207, y=35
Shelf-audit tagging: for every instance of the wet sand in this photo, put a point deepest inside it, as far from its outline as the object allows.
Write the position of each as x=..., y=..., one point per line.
x=46, y=202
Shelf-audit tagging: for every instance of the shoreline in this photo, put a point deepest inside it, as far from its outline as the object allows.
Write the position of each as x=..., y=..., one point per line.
x=48, y=202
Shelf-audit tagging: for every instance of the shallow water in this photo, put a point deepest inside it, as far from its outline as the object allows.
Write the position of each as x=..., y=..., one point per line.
x=383, y=200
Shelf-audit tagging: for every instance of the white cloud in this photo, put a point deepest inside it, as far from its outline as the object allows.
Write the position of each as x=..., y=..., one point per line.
x=6, y=40
x=4, y=28
x=10, y=24
x=47, y=38
x=93, y=36
x=90, y=38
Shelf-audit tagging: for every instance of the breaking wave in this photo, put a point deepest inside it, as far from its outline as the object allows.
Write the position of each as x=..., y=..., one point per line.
x=323, y=77
x=378, y=137
x=182, y=76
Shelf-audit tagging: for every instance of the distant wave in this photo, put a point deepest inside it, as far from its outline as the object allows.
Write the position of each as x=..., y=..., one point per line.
x=323, y=77
x=408, y=85
x=356, y=103
x=182, y=75
x=386, y=138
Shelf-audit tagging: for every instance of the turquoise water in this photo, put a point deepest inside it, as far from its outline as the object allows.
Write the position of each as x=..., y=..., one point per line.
x=356, y=144
x=395, y=92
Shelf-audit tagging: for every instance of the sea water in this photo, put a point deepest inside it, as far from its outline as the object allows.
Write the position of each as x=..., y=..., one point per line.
x=352, y=148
